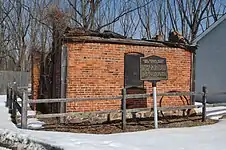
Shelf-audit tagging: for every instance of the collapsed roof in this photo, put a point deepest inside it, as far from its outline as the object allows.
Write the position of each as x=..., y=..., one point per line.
x=83, y=35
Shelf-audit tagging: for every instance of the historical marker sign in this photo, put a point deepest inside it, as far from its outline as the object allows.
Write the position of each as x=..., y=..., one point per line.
x=153, y=68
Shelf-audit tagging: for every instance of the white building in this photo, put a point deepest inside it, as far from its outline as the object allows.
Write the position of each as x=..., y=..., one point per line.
x=210, y=66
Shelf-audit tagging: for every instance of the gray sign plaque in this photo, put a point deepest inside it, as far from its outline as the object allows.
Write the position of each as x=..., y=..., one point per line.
x=153, y=68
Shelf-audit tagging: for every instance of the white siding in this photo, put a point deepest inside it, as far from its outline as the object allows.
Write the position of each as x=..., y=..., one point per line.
x=211, y=62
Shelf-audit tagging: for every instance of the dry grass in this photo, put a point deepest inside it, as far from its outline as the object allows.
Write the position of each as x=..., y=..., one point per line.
x=132, y=125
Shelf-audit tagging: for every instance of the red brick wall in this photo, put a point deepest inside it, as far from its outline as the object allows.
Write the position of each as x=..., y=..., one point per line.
x=35, y=74
x=136, y=102
x=97, y=70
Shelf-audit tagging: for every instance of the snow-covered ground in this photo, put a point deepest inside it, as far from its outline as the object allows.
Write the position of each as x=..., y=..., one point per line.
x=211, y=137
x=3, y=148
x=212, y=112
x=32, y=123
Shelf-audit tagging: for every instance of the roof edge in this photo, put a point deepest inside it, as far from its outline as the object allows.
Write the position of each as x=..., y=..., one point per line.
x=214, y=25
x=154, y=43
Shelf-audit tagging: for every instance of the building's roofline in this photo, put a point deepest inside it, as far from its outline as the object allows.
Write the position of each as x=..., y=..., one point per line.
x=127, y=41
x=215, y=24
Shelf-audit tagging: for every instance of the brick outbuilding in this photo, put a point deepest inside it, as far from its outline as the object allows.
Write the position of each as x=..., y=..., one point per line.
x=100, y=66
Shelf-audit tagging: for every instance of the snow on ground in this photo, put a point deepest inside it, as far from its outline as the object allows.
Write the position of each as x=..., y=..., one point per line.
x=32, y=123
x=209, y=137
x=2, y=148
x=212, y=112
x=206, y=138
x=5, y=122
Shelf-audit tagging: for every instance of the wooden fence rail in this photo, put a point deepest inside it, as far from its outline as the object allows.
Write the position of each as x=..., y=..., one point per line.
x=128, y=96
x=13, y=93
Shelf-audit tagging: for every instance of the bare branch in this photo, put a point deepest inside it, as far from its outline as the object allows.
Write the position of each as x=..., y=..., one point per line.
x=122, y=14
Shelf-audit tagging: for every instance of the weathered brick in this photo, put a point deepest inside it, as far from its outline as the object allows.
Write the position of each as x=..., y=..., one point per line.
x=97, y=70
x=35, y=74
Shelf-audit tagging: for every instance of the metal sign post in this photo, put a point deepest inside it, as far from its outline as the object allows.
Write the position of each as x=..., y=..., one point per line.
x=155, y=104
x=153, y=69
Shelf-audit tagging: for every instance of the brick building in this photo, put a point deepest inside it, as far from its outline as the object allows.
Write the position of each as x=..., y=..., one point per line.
x=100, y=65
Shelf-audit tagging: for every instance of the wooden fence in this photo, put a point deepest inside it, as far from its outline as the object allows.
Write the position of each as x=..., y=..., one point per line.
x=13, y=92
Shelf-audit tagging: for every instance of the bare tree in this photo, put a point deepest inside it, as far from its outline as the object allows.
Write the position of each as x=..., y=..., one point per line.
x=26, y=25
x=18, y=23
x=129, y=23
x=100, y=14
x=145, y=17
x=85, y=12
x=5, y=10
x=192, y=12
x=188, y=17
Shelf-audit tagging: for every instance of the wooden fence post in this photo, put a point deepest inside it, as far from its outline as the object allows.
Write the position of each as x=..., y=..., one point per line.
x=10, y=100
x=14, y=100
x=63, y=81
x=204, y=90
x=7, y=97
x=24, y=111
x=123, y=108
